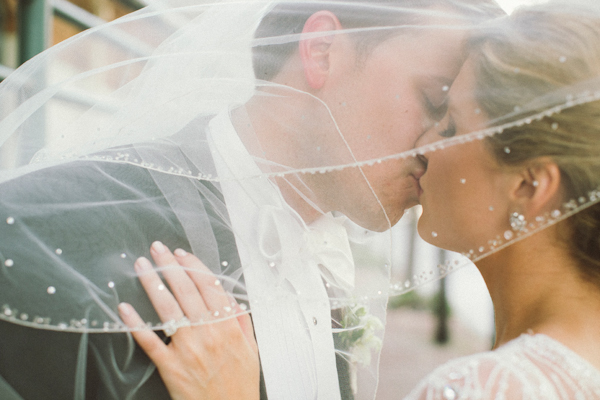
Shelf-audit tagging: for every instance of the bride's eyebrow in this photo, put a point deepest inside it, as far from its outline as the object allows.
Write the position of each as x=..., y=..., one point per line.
x=450, y=105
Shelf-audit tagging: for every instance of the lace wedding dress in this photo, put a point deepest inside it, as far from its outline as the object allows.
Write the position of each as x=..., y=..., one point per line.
x=531, y=367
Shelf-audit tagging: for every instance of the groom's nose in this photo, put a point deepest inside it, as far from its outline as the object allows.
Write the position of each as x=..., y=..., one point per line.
x=429, y=136
x=429, y=122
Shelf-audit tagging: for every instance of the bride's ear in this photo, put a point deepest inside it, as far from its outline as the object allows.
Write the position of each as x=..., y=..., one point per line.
x=537, y=189
x=315, y=46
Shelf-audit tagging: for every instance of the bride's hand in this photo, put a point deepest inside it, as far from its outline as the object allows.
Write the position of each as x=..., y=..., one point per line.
x=209, y=361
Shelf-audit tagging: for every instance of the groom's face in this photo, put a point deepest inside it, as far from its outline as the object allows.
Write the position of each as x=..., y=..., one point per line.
x=383, y=106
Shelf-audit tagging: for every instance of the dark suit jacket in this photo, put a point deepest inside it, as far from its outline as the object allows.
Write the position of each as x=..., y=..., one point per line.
x=42, y=364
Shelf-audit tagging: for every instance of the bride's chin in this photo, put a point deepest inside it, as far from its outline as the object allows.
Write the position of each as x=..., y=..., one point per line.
x=423, y=227
x=429, y=233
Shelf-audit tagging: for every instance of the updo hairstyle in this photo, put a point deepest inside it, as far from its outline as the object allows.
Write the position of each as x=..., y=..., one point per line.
x=543, y=52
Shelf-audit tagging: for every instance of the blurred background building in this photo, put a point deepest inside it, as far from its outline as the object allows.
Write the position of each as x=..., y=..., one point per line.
x=27, y=27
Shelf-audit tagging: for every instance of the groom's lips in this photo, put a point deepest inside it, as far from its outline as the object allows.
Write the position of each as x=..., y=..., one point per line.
x=419, y=188
x=417, y=174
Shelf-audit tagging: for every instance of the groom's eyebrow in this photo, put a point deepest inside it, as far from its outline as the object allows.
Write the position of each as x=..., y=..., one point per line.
x=443, y=83
x=440, y=80
x=446, y=84
x=433, y=84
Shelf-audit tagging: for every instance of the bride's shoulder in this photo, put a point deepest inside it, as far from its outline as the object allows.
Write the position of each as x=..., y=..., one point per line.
x=529, y=367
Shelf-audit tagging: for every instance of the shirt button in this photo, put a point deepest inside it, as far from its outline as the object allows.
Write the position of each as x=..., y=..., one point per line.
x=314, y=320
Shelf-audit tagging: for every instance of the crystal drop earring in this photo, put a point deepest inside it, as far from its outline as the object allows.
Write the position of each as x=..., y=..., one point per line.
x=517, y=222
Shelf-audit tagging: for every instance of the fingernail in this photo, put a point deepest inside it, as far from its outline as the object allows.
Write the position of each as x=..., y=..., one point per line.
x=180, y=252
x=142, y=264
x=158, y=247
x=125, y=309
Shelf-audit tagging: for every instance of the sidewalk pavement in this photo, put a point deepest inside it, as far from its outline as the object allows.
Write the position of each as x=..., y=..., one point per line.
x=409, y=352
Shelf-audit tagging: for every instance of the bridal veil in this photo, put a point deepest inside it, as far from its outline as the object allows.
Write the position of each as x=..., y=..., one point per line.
x=209, y=126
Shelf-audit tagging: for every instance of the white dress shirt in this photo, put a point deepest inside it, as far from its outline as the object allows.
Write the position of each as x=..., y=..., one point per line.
x=279, y=253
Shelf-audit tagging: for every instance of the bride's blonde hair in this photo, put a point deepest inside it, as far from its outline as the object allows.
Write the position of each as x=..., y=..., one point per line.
x=534, y=52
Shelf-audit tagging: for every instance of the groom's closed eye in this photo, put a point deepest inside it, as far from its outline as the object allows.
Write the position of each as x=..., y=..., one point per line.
x=436, y=103
x=436, y=113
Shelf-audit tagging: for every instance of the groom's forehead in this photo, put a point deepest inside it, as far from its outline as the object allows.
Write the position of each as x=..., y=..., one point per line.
x=370, y=24
x=437, y=60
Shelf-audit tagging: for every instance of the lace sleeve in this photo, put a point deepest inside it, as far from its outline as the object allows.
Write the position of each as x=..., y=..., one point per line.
x=474, y=377
x=527, y=368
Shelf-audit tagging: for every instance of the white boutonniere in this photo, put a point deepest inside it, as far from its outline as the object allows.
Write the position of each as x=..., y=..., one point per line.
x=358, y=338
x=358, y=334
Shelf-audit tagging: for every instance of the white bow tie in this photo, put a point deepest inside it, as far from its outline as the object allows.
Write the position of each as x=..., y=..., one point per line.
x=327, y=242
x=282, y=236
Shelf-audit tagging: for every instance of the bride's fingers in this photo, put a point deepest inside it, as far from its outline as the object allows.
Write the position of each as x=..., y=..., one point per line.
x=182, y=287
x=216, y=298
x=163, y=301
x=146, y=338
x=247, y=328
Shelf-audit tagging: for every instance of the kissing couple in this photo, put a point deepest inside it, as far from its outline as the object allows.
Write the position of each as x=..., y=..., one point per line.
x=279, y=142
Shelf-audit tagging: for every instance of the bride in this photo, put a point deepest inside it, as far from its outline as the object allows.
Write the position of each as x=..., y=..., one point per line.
x=512, y=182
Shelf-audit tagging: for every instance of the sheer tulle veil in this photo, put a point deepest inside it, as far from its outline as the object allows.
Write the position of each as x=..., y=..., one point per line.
x=204, y=123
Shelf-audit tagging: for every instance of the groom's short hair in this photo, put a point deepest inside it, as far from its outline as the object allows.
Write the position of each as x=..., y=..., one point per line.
x=289, y=19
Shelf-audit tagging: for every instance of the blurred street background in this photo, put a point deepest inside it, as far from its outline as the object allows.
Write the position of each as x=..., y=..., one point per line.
x=412, y=347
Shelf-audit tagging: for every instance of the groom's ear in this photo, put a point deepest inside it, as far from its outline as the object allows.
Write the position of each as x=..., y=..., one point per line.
x=539, y=188
x=315, y=46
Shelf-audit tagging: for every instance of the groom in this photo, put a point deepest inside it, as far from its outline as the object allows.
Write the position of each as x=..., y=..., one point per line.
x=375, y=92
x=374, y=88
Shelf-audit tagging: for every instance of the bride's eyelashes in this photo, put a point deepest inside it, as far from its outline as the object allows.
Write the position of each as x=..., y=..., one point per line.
x=449, y=131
